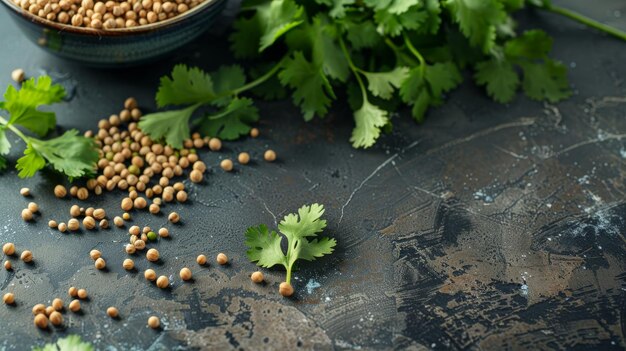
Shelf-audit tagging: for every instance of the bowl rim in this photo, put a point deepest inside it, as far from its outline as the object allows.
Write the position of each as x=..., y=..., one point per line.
x=110, y=32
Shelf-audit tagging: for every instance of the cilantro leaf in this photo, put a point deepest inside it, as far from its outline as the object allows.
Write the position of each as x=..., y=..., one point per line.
x=477, y=20
x=5, y=145
x=275, y=18
x=532, y=44
x=3, y=163
x=312, y=91
x=546, y=81
x=382, y=84
x=23, y=104
x=173, y=126
x=362, y=35
x=244, y=41
x=499, y=77
x=70, y=153
x=401, y=6
x=369, y=119
x=393, y=24
x=265, y=246
x=226, y=79
x=69, y=343
x=186, y=86
x=442, y=77
x=431, y=23
x=233, y=121
x=338, y=7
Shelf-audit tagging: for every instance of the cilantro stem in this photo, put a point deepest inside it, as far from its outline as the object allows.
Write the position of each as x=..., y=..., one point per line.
x=400, y=55
x=14, y=130
x=288, y=278
x=355, y=69
x=585, y=20
x=415, y=52
x=261, y=79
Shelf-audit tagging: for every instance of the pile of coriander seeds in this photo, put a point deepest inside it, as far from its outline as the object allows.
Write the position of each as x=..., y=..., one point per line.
x=106, y=14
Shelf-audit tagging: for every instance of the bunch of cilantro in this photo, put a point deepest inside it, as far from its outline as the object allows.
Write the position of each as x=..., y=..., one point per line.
x=70, y=153
x=380, y=54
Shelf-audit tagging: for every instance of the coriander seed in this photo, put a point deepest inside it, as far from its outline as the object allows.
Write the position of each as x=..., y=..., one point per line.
x=49, y=310
x=26, y=256
x=8, y=249
x=152, y=236
x=82, y=294
x=154, y=208
x=27, y=214
x=163, y=282
x=99, y=214
x=269, y=156
x=104, y=224
x=100, y=263
x=140, y=203
x=73, y=224
x=95, y=254
x=201, y=259
x=152, y=255
x=140, y=244
x=52, y=224
x=25, y=192
x=173, y=217
x=74, y=211
x=164, y=233
x=56, y=318
x=285, y=289
x=39, y=309
x=82, y=193
x=181, y=196
x=185, y=273
x=72, y=291
x=195, y=176
x=62, y=227
x=60, y=191
x=222, y=258
x=74, y=306
x=8, y=298
x=227, y=165
x=128, y=264
x=118, y=221
x=254, y=132
x=18, y=75
x=257, y=277
x=112, y=312
x=130, y=249
x=134, y=230
x=7, y=265
x=215, y=144
x=243, y=158
x=33, y=207
x=89, y=223
x=149, y=274
x=41, y=321
x=154, y=322
x=127, y=204
x=57, y=304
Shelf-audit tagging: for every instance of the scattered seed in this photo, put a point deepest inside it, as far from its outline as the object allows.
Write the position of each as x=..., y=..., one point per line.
x=140, y=203
x=222, y=258
x=195, y=176
x=25, y=192
x=18, y=75
x=134, y=230
x=181, y=196
x=257, y=277
x=243, y=158
x=130, y=249
x=151, y=236
x=89, y=223
x=56, y=318
x=57, y=304
x=100, y=263
x=128, y=264
x=149, y=274
x=62, y=227
x=8, y=249
x=41, y=321
x=89, y=212
x=52, y=224
x=215, y=144
x=227, y=165
x=112, y=312
x=152, y=255
x=82, y=193
x=127, y=204
x=39, y=309
x=74, y=306
x=126, y=216
x=99, y=214
x=201, y=259
x=139, y=244
x=7, y=265
x=95, y=254
x=60, y=191
x=49, y=310
x=185, y=273
x=27, y=214
x=26, y=256
x=72, y=291
x=73, y=224
x=163, y=282
x=254, y=132
x=154, y=322
x=173, y=217
x=74, y=211
x=82, y=294
x=118, y=221
x=8, y=298
x=164, y=233
x=285, y=289
x=154, y=208
x=104, y=224
x=33, y=207
x=269, y=156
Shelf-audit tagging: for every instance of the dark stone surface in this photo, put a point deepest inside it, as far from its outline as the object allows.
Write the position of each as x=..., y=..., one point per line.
x=487, y=227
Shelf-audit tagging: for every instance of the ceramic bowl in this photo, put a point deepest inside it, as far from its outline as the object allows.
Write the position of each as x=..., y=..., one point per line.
x=118, y=47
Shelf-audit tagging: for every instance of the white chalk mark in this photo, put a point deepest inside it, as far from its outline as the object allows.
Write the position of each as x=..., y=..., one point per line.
x=511, y=153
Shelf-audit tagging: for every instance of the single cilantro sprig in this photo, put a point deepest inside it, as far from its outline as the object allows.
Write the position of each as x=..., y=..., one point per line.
x=70, y=154
x=298, y=229
x=68, y=343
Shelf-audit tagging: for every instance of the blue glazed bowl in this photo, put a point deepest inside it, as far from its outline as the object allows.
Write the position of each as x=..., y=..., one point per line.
x=117, y=47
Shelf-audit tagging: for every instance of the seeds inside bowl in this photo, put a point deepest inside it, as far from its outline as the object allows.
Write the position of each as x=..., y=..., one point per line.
x=106, y=15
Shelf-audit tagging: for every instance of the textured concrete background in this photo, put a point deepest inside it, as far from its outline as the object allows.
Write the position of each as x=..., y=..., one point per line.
x=488, y=227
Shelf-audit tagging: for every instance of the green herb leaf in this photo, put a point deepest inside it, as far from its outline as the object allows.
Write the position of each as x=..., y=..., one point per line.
x=5, y=145
x=312, y=91
x=265, y=247
x=23, y=104
x=275, y=18
x=362, y=35
x=186, y=86
x=382, y=84
x=233, y=121
x=369, y=119
x=69, y=343
x=478, y=20
x=546, y=81
x=173, y=126
x=499, y=77
x=226, y=79
x=71, y=154
x=533, y=44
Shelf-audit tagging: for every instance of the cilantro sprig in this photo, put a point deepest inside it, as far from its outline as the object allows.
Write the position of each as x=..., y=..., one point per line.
x=70, y=153
x=68, y=343
x=382, y=53
x=301, y=233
